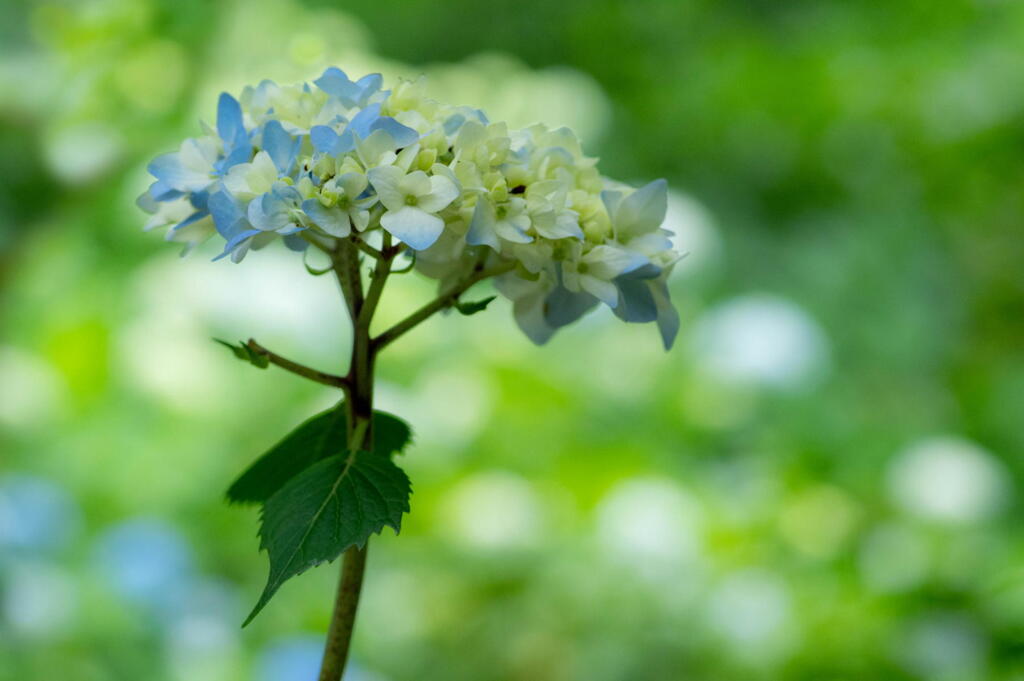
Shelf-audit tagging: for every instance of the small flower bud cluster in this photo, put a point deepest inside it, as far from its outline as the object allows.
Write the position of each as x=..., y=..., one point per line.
x=343, y=159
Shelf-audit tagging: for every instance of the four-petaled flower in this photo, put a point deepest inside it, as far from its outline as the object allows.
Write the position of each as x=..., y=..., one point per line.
x=412, y=201
x=338, y=207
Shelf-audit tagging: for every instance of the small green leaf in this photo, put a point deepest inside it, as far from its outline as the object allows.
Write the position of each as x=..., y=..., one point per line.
x=335, y=504
x=322, y=436
x=243, y=352
x=474, y=307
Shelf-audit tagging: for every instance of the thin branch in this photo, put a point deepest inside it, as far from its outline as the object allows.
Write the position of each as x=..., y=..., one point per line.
x=299, y=369
x=444, y=300
x=377, y=280
x=368, y=249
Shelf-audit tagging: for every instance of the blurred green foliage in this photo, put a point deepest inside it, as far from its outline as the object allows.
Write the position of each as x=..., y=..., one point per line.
x=820, y=482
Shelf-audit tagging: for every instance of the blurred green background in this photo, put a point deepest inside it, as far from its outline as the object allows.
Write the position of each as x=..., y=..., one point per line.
x=821, y=481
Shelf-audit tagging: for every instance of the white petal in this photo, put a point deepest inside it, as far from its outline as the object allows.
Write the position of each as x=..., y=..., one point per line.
x=413, y=226
x=415, y=183
x=608, y=262
x=442, y=192
x=385, y=180
x=510, y=230
x=353, y=184
x=642, y=211
x=605, y=290
x=237, y=181
x=360, y=219
x=557, y=226
x=407, y=156
x=376, y=150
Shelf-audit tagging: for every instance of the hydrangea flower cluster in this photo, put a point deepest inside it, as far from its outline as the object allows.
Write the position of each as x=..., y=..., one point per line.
x=345, y=159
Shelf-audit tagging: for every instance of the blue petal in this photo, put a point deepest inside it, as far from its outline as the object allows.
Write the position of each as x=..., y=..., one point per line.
x=295, y=242
x=403, y=135
x=161, y=191
x=361, y=123
x=227, y=214
x=368, y=121
x=199, y=200
x=324, y=139
x=562, y=307
x=229, y=119
x=529, y=315
x=668, y=317
x=280, y=145
x=237, y=241
x=235, y=155
x=453, y=123
x=168, y=170
x=369, y=84
x=636, y=302
x=335, y=83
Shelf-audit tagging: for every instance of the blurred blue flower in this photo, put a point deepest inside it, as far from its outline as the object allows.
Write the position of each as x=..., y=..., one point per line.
x=36, y=515
x=296, y=658
x=147, y=562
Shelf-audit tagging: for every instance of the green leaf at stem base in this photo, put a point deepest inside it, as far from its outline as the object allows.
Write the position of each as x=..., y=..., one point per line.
x=334, y=504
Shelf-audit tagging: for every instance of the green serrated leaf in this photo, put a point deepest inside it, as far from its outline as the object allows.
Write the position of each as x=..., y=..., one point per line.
x=322, y=436
x=243, y=352
x=474, y=306
x=334, y=504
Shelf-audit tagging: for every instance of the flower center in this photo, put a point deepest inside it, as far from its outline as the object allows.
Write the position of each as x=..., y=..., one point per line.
x=411, y=200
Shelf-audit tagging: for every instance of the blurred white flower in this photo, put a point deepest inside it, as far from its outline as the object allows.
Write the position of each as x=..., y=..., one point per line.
x=948, y=479
x=82, y=152
x=651, y=524
x=761, y=340
x=494, y=510
x=177, y=296
x=37, y=600
x=751, y=611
